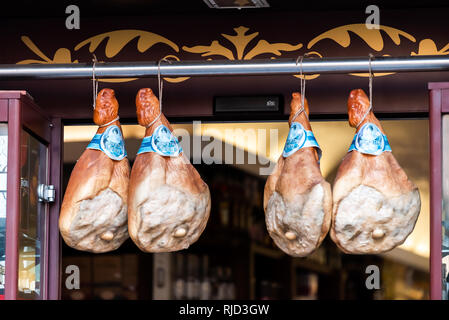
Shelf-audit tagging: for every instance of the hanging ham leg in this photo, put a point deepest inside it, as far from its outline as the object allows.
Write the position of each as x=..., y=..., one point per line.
x=93, y=214
x=375, y=205
x=297, y=199
x=169, y=204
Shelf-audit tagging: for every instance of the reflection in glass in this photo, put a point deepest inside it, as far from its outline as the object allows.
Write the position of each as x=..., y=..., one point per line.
x=445, y=213
x=3, y=171
x=32, y=217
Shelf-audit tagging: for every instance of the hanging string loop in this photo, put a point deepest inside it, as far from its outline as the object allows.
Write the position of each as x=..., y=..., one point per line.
x=302, y=87
x=160, y=84
x=370, y=83
x=94, y=81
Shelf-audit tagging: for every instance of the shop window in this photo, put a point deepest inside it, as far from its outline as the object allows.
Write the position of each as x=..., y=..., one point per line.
x=235, y=257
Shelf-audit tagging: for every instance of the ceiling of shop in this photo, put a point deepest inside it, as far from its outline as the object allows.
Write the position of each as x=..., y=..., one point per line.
x=95, y=8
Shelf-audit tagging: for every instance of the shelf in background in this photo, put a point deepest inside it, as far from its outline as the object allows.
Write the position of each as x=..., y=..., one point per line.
x=266, y=251
x=311, y=265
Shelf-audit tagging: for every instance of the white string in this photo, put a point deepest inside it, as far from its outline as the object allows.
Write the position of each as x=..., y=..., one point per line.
x=106, y=124
x=160, y=87
x=94, y=82
x=302, y=88
x=370, y=92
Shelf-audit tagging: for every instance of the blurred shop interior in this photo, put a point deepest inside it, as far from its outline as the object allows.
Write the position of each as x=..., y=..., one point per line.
x=235, y=257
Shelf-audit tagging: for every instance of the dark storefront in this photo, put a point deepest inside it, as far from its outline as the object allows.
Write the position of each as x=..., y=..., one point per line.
x=46, y=125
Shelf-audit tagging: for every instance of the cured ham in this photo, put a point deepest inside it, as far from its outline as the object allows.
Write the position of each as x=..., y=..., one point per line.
x=297, y=199
x=93, y=214
x=375, y=204
x=169, y=203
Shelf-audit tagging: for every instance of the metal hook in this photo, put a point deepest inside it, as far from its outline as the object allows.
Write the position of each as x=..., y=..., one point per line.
x=94, y=81
x=303, y=83
x=370, y=82
x=160, y=84
x=302, y=87
x=370, y=57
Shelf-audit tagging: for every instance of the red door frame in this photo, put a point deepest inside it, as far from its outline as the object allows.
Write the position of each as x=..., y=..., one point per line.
x=54, y=239
x=438, y=105
x=19, y=111
x=12, y=199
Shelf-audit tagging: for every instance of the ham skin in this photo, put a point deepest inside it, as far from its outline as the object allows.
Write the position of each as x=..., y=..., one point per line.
x=297, y=199
x=93, y=214
x=375, y=205
x=169, y=203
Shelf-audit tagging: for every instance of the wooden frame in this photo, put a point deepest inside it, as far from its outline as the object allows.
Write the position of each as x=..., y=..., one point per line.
x=438, y=105
x=54, y=240
x=12, y=199
x=20, y=112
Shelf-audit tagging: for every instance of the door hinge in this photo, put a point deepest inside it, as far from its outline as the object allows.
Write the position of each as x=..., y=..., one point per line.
x=46, y=193
x=24, y=183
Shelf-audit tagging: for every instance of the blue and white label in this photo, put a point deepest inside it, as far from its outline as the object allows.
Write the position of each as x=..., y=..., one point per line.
x=162, y=142
x=370, y=140
x=299, y=138
x=110, y=142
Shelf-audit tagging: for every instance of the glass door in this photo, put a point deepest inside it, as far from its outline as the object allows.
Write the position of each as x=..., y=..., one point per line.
x=29, y=177
x=33, y=212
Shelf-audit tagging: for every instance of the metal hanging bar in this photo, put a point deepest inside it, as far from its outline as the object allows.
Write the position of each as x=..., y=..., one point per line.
x=224, y=67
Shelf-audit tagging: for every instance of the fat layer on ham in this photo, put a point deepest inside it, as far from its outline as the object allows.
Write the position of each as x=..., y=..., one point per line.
x=375, y=204
x=297, y=199
x=93, y=214
x=169, y=203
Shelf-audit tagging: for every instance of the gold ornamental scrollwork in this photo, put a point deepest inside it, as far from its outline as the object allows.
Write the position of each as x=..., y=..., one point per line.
x=118, y=39
x=240, y=42
x=62, y=55
x=242, y=50
x=114, y=41
x=374, y=39
x=241, y=45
